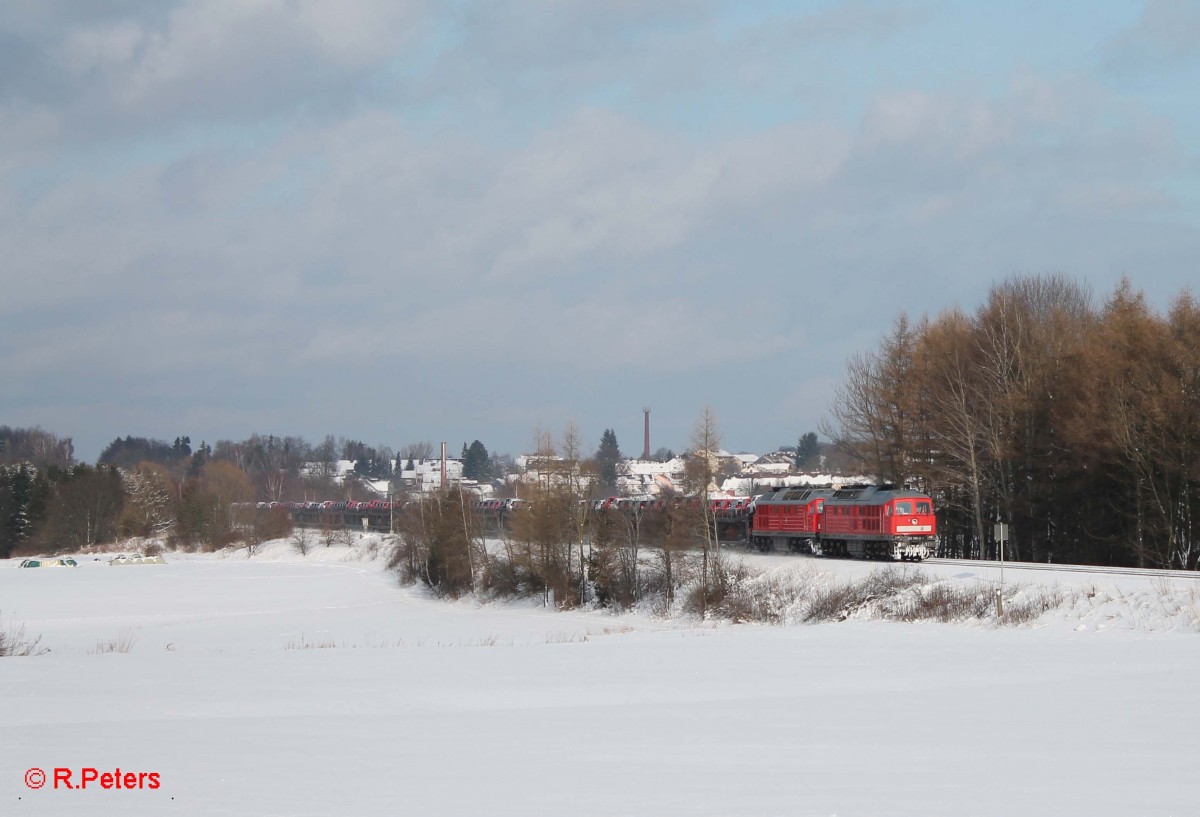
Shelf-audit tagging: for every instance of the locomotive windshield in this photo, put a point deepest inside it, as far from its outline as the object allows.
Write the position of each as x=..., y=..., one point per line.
x=924, y=507
x=903, y=508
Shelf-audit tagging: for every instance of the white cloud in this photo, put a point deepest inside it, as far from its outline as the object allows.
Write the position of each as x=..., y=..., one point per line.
x=224, y=183
x=131, y=67
x=1168, y=31
x=103, y=47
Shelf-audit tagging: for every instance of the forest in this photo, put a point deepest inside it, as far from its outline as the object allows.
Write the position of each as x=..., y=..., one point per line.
x=1076, y=423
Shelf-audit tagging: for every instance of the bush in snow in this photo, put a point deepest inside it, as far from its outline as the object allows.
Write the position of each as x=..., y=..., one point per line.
x=905, y=594
x=14, y=643
x=441, y=545
x=301, y=541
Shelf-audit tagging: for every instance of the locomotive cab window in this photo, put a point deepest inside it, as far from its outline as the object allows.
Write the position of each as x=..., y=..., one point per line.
x=923, y=507
x=903, y=508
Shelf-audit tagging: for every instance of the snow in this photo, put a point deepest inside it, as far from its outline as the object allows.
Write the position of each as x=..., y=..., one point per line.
x=282, y=685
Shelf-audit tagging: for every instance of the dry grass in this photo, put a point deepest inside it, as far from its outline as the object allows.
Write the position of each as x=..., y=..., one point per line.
x=567, y=638
x=839, y=602
x=305, y=643
x=1163, y=586
x=1022, y=607
x=14, y=643
x=944, y=602
x=123, y=642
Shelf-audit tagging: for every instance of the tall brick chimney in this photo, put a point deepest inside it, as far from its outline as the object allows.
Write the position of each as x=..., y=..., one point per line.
x=646, y=448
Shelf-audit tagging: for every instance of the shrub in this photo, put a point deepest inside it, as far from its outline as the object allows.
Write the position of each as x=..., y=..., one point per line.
x=509, y=577
x=440, y=545
x=942, y=602
x=14, y=643
x=1022, y=607
x=221, y=540
x=770, y=597
x=301, y=541
x=715, y=592
x=275, y=523
x=839, y=602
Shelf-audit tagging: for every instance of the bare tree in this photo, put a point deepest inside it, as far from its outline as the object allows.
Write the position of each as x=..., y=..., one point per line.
x=149, y=508
x=1028, y=333
x=36, y=447
x=701, y=471
x=84, y=508
x=956, y=415
x=578, y=480
x=417, y=451
x=876, y=411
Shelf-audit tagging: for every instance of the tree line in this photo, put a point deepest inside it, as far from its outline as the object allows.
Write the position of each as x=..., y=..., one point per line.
x=1076, y=424
x=187, y=494
x=175, y=491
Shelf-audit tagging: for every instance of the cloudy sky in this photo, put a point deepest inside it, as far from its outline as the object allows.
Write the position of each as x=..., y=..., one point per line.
x=401, y=221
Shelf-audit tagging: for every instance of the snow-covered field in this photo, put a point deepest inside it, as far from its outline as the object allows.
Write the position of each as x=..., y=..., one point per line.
x=284, y=685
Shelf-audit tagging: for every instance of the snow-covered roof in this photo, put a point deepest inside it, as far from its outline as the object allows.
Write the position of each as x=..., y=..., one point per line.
x=648, y=467
x=747, y=486
x=776, y=458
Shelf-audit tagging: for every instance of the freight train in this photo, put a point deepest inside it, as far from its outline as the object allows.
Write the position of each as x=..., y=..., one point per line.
x=863, y=521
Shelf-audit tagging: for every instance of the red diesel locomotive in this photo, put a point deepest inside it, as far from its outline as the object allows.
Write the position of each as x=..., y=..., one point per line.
x=867, y=521
x=789, y=518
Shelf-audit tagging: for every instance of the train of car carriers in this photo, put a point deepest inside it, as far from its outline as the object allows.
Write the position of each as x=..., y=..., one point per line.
x=864, y=521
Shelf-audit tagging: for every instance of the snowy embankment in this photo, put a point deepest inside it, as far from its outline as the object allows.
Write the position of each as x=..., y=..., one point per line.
x=786, y=587
x=315, y=685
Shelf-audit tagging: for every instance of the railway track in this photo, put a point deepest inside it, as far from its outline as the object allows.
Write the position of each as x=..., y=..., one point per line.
x=1187, y=575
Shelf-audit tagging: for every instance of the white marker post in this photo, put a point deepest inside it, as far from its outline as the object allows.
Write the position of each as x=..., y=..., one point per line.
x=1001, y=532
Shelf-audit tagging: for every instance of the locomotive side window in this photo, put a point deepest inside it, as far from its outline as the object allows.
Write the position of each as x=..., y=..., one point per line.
x=903, y=508
x=923, y=507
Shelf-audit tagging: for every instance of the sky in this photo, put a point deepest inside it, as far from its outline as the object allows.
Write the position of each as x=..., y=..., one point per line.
x=403, y=221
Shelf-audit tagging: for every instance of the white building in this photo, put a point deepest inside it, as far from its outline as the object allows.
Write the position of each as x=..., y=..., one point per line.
x=426, y=474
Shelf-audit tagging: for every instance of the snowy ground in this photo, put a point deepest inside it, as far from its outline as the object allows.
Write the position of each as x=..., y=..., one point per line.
x=294, y=686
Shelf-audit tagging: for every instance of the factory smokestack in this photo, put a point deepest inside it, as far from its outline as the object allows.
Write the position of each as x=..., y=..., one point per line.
x=443, y=486
x=646, y=448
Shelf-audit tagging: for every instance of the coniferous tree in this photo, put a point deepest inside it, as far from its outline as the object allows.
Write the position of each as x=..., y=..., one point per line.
x=18, y=508
x=477, y=464
x=807, y=452
x=607, y=457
